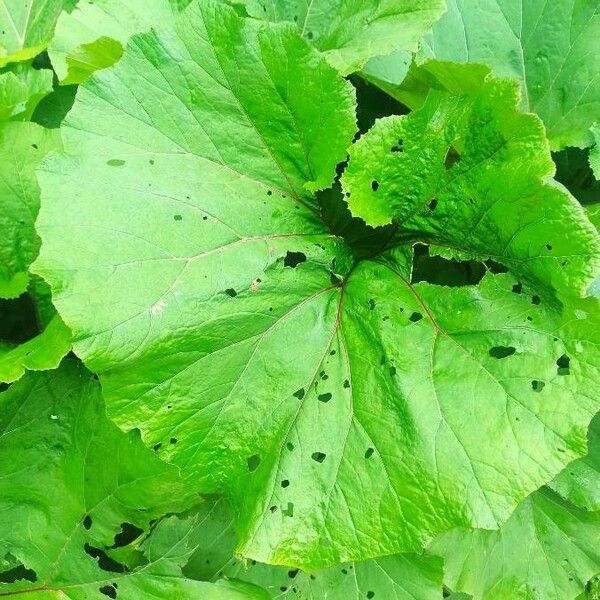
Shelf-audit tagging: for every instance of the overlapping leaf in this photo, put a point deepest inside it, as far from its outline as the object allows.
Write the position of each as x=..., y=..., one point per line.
x=220, y=312
x=467, y=172
x=26, y=27
x=21, y=88
x=93, y=35
x=351, y=33
x=547, y=549
x=550, y=47
x=72, y=483
x=22, y=147
x=400, y=577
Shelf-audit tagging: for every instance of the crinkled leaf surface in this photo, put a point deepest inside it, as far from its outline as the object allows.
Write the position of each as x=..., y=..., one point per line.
x=21, y=88
x=22, y=147
x=92, y=36
x=400, y=577
x=550, y=47
x=71, y=480
x=547, y=549
x=219, y=311
x=26, y=27
x=441, y=173
x=43, y=352
x=349, y=33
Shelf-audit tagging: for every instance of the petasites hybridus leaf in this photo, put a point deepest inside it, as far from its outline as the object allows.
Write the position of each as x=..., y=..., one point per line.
x=399, y=577
x=72, y=483
x=92, y=36
x=550, y=47
x=579, y=483
x=22, y=147
x=561, y=551
x=21, y=88
x=41, y=353
x=595, y=152
x=350, y=33
x=468, y=172
x=26, y=27
x=189, y=259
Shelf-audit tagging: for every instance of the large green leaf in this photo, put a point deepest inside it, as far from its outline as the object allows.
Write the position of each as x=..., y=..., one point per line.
x=400, y=577
x=22, y=147
x=547, y=549
x=349, y=33
x=72, y=483
x=441, y=173
x=93, y=35
x=26, y=27
x=220, y=312
x=550, y=47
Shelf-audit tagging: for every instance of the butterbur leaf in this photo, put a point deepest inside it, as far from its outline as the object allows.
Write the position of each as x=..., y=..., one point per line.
x=249, y=345
x=350, y=33
x=26, y=27
x=73, y=483
x=41, y=353
x=549, y=47
x=400, y=577
x=467, y=172
x=22, y=147
x=92, y=36
x=21, y=88
x=595, y=152
x=579, y=483
x=558, y=558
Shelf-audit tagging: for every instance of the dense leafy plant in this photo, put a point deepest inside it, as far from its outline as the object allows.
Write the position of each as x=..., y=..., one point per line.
x=312, y=305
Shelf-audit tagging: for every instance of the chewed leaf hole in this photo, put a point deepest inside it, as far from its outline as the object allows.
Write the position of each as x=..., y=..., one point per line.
x=105, y=562
x=399, y=147
x=299, y=394
x=433, y=204
x=374, y=185
x=517, y=288
x=369, y=452
x=415, y=317
x=87, y=522
x=318, y=456
x=563, y=364
x=231, y=292
x=370, y=595
x=128, y=534
x=115, y=162
x=502, y=351
x=537, y=386
x=108, y=590
x=285, y=483
x=292, y=574
x=293, y=259
x=289, y=511
x=178, y=217
x=253, y=462
x=452, y=157
x=325, y=398
x=18, y=573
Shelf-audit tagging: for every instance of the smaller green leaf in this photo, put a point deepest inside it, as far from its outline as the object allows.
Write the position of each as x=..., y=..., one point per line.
x=351, y=33
x=595, y=151
x=547, y=549
x=39, y=354
x=579, y=483
x=21, y=88
x=26, y=27
x=92, y=37
x=22, y=148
